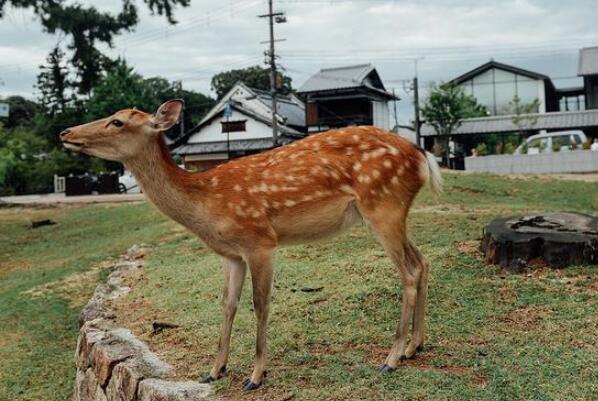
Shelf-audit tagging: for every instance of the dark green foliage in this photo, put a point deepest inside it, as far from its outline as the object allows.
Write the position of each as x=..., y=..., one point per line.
x=254, y=77
x=122, y=88
x=22, y=111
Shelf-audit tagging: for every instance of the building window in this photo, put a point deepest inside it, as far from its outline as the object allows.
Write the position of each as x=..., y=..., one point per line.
x=233, y=126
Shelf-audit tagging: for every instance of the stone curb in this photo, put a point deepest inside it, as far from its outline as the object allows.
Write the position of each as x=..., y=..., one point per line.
x=112, y=364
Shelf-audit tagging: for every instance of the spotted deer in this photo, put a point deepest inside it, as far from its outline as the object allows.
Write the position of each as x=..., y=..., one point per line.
x=305, y=191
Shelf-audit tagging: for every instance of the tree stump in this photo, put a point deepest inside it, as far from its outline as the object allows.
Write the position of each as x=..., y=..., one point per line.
x=550, y=239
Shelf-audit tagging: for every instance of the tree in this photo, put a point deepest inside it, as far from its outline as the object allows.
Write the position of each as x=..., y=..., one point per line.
x=254, y=77
x=523, y=116
x=121, y=88
x=86, y=27
x=22, y=111
x=447, y=106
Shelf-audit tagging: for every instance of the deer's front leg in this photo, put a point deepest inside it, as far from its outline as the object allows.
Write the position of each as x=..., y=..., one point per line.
x=261, y=266
x=234, y=277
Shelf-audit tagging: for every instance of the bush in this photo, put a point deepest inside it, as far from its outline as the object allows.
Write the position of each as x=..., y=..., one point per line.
x=509, y=148
x=481, y=149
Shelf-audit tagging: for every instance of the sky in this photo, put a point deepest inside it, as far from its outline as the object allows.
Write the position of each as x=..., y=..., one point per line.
x=446, y=37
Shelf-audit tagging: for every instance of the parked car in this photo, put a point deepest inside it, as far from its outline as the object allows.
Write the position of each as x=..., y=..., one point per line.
x=128, y=184
x=545, y=143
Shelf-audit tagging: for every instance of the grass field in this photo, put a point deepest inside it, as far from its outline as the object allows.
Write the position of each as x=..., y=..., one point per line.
x=491, y=336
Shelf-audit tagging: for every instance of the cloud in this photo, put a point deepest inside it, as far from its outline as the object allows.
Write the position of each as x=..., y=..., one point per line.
x=452, y=36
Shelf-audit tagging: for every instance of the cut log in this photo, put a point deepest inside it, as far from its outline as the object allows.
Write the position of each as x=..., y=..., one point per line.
x=550, y=239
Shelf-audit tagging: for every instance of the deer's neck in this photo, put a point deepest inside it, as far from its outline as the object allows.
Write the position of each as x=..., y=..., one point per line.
x=173, y=190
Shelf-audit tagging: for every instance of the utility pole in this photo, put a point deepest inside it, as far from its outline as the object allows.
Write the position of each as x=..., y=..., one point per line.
x=278, y=18
x=394, y=101
x=416, y=121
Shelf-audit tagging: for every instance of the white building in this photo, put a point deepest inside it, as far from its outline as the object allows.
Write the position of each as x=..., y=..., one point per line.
x=495, y=85
x=246, y=129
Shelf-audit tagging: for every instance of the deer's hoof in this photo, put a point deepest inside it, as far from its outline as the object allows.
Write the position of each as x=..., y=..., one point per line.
x=402, y=358
x=386, y=369
x=209, y=379
x=419, y=348
x=248, y=385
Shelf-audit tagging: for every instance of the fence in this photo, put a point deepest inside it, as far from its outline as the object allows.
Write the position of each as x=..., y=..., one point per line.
x=575, y=161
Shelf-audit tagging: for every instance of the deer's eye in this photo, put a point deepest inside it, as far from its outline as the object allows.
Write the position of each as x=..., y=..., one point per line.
x=117, y=123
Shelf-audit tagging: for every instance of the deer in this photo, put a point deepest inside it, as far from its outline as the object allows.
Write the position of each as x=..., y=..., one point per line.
x=308, y=190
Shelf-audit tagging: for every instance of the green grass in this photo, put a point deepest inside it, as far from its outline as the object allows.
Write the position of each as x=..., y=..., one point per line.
x=38, y=332
x=490, y=336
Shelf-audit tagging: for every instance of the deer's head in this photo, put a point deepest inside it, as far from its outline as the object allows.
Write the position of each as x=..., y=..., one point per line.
x=122, y=135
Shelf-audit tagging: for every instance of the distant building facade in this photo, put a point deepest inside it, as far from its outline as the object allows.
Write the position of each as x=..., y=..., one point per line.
x=588, y=70
x=241, y=124
x=345, y=96
x=495, y=85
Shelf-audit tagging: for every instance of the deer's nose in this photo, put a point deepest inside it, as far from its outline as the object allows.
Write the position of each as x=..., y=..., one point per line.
x=64, y=133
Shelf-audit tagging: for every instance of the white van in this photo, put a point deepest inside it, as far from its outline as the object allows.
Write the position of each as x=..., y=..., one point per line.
x=543, y=143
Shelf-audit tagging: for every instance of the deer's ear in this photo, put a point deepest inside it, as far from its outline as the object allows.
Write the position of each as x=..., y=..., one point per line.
x=168, y=114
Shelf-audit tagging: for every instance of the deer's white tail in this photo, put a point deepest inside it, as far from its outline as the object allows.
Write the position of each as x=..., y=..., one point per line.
x=434, y=173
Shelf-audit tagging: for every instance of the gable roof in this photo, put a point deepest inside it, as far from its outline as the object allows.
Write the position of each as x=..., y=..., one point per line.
x=588, y=61
x=495, y=64
x=346, y=77
x=291, y=110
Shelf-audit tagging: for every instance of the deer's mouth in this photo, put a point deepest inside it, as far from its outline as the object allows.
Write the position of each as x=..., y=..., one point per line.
x=71, y=145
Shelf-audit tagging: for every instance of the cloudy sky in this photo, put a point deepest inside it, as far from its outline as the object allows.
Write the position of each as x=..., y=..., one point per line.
x=448, y=37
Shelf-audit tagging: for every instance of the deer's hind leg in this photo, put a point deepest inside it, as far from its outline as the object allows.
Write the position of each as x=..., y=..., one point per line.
x=416, y=259
x=389, y=224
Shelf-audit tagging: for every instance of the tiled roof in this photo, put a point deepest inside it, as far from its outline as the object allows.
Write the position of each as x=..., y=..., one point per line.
x=337, y=78
x=221, y=146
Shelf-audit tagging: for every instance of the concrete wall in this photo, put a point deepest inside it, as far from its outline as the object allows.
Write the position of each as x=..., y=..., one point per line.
x=577, y=161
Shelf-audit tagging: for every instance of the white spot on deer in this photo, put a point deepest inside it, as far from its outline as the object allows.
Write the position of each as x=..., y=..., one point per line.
x=395, y=180
x=379, y=152
x=219, y=196
x=231, y=205
x=214, y=181
x=239, y=211
x=364, y=146
x=290, y=178
x=256, y=214
x=366, y=179
x=385, y=190
x=243, y=203
x=289, y=203
x=357, y=166
x=372, y=192
x=324, y=160
x=274, y=188
x=355, y=137
x=307, y=198
x=346, y=188
x=265, y=203
x=237, y=188
x=365, y=156
x=387, y=164
x=376, y=173
x=393, y=151
x=400, y=170
x=263, y=187
x=349, y=151
x=275, y=205
x=407, y=165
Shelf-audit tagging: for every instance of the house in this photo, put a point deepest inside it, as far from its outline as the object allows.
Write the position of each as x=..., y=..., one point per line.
x=588, y=69
x=495, y=85
x=241, y=124
x=345, y=96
